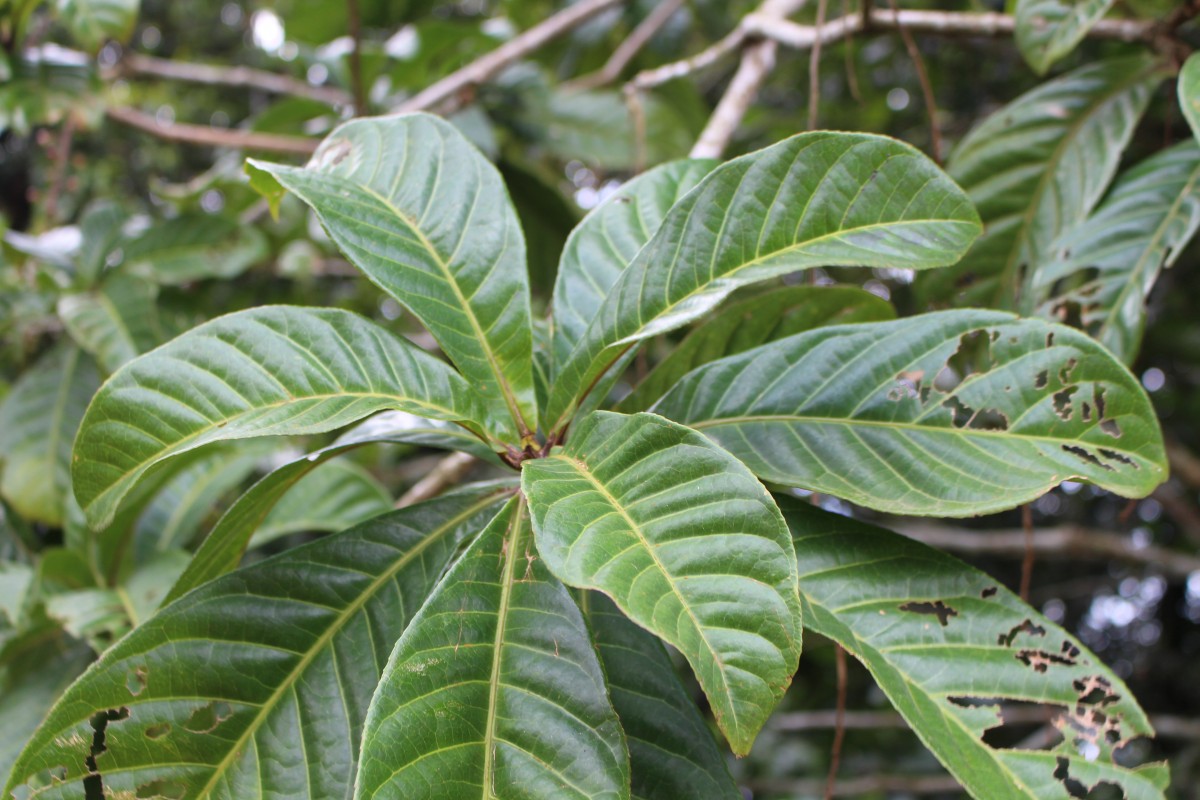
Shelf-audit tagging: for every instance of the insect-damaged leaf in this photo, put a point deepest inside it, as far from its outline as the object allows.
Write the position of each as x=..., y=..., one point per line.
x=494, y=689
x=951, y=674
x=255, y=685
x=687, y=543
x=945, y=414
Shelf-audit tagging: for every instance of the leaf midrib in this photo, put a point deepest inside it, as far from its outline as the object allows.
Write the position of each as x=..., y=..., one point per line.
x=489, y=738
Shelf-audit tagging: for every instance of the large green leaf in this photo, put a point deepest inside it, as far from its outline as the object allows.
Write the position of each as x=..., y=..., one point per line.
x=1036, y=167
x=605, y=242
x=93, y=22
x=1111, y=262
x=950, y=648
x=816, y=199
x=672, y=753
x=115, y=322
x=417, y=208
x=1188, y=90
x=1049, y=29
x=255, y=685
x=945, y=414
x=329, y=499
x=494, y=690
x=38, y=420
x=193, y=247
x=274, y=370
x=687, y=543
x=753, y=321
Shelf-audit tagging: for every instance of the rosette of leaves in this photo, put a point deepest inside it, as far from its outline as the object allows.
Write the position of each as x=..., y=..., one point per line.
x=506, y=640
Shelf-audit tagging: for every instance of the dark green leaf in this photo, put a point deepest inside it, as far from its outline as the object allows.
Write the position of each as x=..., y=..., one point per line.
x=193, y=247
x=115, y=322
x=332, y=498
x=1188, y=90
x=1049, y=29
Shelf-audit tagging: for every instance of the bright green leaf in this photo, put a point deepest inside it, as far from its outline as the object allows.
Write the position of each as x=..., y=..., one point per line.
x=93, y=22
x=954, y=648
x=817, y=199
x=419, y=210
x=291, y=648
x=115, y=322
x=687, y=543
x=1188, y=90
x=952, y=413
x=494, y=690
x=1142, y=226
x=1049, y=29
x=274, y=370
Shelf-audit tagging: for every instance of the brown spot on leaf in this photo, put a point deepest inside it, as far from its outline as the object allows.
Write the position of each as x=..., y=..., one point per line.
x=135, y=681
x=158, y=731
x=207, y=717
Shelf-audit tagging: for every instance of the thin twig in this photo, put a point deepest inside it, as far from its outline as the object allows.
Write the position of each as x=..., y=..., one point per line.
x=62, y=159
x=638, y=38
x=209, y=136
x=707, y=57
x=637, y=116
x=1027, y=559
x=839, y=727
x=449, y=471
x=137, y=64
x=814, y=95
x=354, y=23
x=851, y=72
x=447, y=93
x=910, y=44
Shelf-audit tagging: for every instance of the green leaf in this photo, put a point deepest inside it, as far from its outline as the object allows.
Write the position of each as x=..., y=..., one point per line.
x=1110, y=262
x=101, y=231
x=291, y=649
x=605, y=242
x=672, y=753
x=1188, y=90
x=224, y=546
x=194, y=247
x=753, y=321
x=1049, y=29
x=817, y=199
x=951, y=649
x=1036, y=168
x=494, y=689
x=418, y=209
x=329, y=499
x=952, y=413
x=115, y=322
x=687, y=543
x=38, y=420
x=268, y=371
x=93, y=22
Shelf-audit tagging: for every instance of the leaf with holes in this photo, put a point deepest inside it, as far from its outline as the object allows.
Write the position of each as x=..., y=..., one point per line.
x=291, y=647
x=817, y=199
x=687, y=543
x=1188, y=91
x=1036, y=168
x=952, y=413
x=418, y=209
x=269, y=371
x=494, y=689
x=752, y=321
x=672, y=752
x=1047, y=30
x=1110, y=263
x=954, y=650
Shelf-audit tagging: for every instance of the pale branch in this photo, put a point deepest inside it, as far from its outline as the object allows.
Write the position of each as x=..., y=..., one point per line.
x=447, y=93
x=648, y=79
x=210, y=136
x=641, y=35
x=136, y=64
x=1060, y=542
x=914, y=53
x=814, y=94
x=448, y=472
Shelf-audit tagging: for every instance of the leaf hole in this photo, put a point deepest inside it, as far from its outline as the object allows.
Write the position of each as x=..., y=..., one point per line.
x=1062, y=403
x=1026, y=626
x=162, y=789
x=1041, y=660
x=1085, y=455
x=937, y=608
x=135, y=681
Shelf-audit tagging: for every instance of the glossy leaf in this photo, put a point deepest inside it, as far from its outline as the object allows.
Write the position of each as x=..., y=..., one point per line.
x=329, y=499
x=1112, y=261
x=1036, y=168
x=194, y=247
x=757, y=319
x=605, y=242
x=1188, y=90
x=672, y=753
x=274, y=370
x=951, y=650
x=1047, y=30
x=291, y=648
x=817, y=199
x=116, y=322
x=38, y=420
x=93, y=22
x=494, y=689
x=418, y=209
x=687, y=543
x=952, y=413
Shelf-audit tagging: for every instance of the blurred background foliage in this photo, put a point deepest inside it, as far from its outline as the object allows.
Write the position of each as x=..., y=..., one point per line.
x=115, y=239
